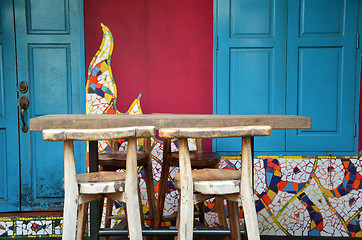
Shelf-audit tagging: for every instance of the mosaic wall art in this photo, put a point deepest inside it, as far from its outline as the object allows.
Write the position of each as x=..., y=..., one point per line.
x=31, y=227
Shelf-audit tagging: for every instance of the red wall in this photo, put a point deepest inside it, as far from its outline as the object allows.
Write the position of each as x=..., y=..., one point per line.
x=162, y=49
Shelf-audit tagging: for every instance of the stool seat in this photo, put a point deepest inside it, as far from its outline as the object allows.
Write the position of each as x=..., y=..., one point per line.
x=114, y=160
x=207, y=174
x=213, y=181
x=98, y=177
x=199, y=159
x=101, y=182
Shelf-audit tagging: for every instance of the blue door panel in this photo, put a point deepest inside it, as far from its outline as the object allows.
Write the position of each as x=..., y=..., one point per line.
x=249, y=81
x=50, y=60
x=250, y=58
x=258, y=22
x=50, y=78
x=56, y=13
x=318, y=88
x=3, y=163
x=9, y=145
x=322, y=79
x=321, y=18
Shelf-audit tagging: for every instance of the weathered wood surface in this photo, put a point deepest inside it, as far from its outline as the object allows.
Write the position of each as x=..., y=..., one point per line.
x=97, y=134
x=131, y=192
x=94, y=121
x=71, y=193
x=215, y=132
x=186, y=209
x=208, y=174
x=247, y=191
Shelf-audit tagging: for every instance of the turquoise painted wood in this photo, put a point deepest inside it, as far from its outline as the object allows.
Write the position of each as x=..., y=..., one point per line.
x=290, y=57
x=250, y=64
x=9, y=153
x=323, y=75
x=50, y=58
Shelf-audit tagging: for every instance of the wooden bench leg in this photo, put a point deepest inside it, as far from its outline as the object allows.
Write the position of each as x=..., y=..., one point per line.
x=162, y=186
x=221, y=214
x=246, y=191
x=100, y=210
x=150, y=187
x=71, y=194
x=82, y=220
x=107, y=219
x=234, y=220
x=186, y=207
x=131, y=191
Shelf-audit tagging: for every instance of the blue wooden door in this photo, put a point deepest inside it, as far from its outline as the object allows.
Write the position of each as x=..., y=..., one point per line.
x=47, y=50
x=9, y=154
x=296, y=57
x=250, y=64
x=322, y=78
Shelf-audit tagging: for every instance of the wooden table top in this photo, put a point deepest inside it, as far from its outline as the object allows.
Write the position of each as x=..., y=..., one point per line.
x=91, y=121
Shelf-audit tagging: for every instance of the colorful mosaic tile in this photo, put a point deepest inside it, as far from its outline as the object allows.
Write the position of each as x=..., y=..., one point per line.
x=31, y=227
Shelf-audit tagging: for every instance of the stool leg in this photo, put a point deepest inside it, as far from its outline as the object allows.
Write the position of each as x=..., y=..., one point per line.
x=234, y=220
x=107, y=219
x=177, y=221
x=221, y=210
x=82, y=220
x=141, y=210
x=150, y=187
x=131, y=191
x=186, y=209
x=162, y=185
x=109, y=208
x=221, y=214
x=246, y=191
x=100, y=210
x=201, y=211
x=71, y=194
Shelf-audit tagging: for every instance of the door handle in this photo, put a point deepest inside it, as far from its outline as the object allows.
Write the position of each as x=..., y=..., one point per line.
x=24, y=104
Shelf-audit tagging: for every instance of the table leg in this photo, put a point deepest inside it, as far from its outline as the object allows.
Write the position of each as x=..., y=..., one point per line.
x=247, y=193
x=131, y=191
x=93, y=167
x=71, y=193
x=186, y=208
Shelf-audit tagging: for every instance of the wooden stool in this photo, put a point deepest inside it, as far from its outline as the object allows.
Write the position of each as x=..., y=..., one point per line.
x=199, y=160
x=83, y=188
x=115, y=160
x=199, y=185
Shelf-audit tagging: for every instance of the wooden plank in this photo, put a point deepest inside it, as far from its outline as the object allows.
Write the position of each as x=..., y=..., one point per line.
x=94, y=121
x=215, y=132
x=97, y=134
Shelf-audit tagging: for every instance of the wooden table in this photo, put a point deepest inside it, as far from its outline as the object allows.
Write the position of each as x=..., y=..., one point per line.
x=82, y=121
